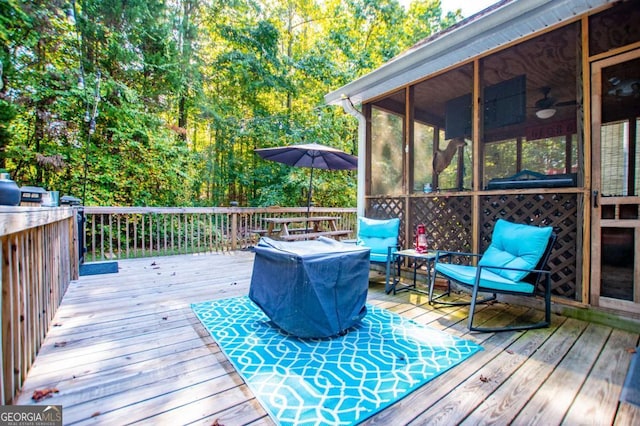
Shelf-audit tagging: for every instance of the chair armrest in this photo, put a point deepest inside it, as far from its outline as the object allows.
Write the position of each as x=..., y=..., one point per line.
x=390, y=250
x=504, y=268
x=451, y=254
x=540, y=273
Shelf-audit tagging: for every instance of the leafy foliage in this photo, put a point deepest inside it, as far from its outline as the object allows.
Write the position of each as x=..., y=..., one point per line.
x=175, y=96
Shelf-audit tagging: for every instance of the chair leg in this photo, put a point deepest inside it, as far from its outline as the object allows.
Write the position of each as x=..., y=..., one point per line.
x=432, y=283
x=397, y=274
x=387, y=286
x=435, y=299
x=390, y=283
x=472, y=307
x=547, y=300
x=541, y=324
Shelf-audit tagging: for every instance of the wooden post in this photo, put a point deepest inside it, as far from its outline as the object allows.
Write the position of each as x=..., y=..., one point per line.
x=234, y=230
x=3, y=399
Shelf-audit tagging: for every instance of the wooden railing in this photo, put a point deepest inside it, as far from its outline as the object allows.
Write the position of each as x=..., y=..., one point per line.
x=39, y=258
x=41, y=249
x=126, y=232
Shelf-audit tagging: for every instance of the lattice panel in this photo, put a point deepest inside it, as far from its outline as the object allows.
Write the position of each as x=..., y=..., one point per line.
x=447, y=219
x=387, y=208
x=557, y=210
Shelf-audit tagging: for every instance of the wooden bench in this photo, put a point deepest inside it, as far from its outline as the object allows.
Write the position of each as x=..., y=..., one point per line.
x=313, y=235
x=301, y=230
x=263, y=232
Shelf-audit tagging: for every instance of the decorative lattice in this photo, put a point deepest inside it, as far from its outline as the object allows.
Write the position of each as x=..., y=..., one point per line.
x=449, y=225
x=557, y=210
x=387, y=208
x=448, y=221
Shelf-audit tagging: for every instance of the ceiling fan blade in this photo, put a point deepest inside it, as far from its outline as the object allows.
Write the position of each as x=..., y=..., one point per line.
x=566, y=103
x=545, y=102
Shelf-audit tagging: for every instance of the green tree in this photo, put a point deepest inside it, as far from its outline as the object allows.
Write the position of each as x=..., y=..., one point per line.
x=175, y=96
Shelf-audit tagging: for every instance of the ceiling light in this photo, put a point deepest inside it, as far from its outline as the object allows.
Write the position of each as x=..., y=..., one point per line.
x=545, y=113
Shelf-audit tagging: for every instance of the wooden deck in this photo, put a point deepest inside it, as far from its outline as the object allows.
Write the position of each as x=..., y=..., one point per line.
x=126, y=348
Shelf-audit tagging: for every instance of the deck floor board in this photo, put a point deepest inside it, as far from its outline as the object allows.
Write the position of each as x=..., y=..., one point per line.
x=504, y=403
x=126, y=348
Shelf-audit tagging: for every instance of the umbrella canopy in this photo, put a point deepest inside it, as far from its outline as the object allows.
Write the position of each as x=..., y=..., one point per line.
x=313, y=155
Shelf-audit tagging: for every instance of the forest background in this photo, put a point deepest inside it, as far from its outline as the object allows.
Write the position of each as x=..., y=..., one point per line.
x=162, y=102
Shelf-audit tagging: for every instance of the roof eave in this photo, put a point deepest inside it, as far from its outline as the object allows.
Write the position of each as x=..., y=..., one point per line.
x=514, y=20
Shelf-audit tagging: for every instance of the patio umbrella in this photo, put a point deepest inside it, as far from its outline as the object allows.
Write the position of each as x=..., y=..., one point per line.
x=314, y=156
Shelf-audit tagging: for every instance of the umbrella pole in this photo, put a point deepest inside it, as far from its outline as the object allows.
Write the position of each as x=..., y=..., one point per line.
x=309, y=196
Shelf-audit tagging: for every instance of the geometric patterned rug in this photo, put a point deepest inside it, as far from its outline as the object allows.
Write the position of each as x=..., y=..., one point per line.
x=631, y=389
x=340, y=380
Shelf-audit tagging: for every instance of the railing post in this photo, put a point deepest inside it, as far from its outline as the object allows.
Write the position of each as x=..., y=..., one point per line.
x=3, y=398
x=234, y=230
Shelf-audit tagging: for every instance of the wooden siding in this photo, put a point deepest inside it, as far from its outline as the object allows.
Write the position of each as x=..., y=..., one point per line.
x=126, y=348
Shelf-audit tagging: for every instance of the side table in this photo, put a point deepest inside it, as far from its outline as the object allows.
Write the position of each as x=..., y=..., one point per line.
x=427, y=258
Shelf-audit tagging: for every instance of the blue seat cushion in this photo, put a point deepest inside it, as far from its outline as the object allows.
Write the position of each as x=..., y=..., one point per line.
x=489, y=280
x=515, y=246
x=378, y=235
x=377, y=257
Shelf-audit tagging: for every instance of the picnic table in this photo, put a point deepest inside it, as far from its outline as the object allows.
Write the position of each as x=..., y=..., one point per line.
x=307, y=228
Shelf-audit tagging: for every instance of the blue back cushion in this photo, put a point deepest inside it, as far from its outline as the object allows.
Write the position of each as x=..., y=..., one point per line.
x=515, y=246
x=378, y=234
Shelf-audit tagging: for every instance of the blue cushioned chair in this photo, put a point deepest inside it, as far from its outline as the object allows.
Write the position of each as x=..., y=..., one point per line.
x=515, y=263
x=381, y=236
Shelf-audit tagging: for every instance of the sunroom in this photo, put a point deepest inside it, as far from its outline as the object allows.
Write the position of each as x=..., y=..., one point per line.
x=526, y=111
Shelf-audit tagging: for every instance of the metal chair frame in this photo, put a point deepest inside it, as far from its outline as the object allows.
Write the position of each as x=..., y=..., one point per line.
x=540, y=275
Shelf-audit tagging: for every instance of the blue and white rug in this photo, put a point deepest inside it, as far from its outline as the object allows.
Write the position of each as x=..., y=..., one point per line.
x=337, y=381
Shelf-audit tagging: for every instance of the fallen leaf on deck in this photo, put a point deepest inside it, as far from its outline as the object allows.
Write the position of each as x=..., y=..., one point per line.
x=216, y=422
x=631, y=350
x=96, y=414
x=59, y=344
x=153, y=263
x=39, y=395
x=509, y=351
x=484, y=379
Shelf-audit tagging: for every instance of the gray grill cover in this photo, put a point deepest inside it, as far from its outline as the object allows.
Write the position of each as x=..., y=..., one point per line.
x=315, y=288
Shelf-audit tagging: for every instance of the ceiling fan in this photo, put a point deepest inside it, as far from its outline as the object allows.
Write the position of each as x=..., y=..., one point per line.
x=622, y=88
x=546, y=106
